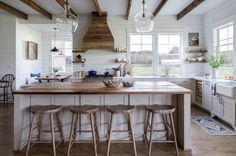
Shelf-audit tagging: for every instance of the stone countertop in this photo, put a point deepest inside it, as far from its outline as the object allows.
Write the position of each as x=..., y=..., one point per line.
x=99, y=88
x=201, y=78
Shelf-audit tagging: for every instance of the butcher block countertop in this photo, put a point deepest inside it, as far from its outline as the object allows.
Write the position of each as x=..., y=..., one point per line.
x=99, y=88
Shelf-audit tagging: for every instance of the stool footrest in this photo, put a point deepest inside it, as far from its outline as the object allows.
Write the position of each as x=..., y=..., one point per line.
x=120, y=131
x=121, y=141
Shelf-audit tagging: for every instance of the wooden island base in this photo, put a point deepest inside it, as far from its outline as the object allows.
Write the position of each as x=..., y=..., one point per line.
x=69, y=94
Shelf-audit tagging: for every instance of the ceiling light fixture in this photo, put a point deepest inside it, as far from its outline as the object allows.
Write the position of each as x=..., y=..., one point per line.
x=67, y=18
x=143, y=21
x=55, y=38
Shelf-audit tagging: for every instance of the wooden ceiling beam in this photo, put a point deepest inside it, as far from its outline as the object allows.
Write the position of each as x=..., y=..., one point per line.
x=98, y=7
x=159, y=7
x=38, y=8
x=189, y=8
x=128, y=9
x=62, y=4
x=13, y=11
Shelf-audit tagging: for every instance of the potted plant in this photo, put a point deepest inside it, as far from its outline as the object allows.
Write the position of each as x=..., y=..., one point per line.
x=215, y=61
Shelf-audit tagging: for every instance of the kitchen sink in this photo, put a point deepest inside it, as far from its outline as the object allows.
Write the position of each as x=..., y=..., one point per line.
x=226, y=88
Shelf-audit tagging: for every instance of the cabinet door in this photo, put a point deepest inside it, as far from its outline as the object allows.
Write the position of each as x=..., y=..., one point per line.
x=229, y=110
x=217, y=107
x=206, y=95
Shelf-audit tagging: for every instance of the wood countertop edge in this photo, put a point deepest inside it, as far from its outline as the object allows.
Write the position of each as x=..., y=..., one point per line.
x=102, y=92
x=90, y=88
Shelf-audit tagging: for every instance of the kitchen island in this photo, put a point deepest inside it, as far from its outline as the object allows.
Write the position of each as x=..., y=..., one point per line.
x=69, y=94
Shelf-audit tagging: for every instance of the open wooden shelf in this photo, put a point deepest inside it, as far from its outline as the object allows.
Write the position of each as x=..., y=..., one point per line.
x=195, y=61
x=79, y=50
x=78, y=61
x=196, y=51
x=120, y=50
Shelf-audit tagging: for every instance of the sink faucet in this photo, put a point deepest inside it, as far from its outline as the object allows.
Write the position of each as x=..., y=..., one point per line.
x=166, y=71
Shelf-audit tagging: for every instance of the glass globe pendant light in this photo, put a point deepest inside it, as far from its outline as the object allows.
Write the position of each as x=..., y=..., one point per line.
x=67, y=18
x=143, y=21
x=55, y=38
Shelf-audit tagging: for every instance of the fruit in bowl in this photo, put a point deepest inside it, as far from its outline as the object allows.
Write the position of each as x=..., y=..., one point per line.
x=112, y=82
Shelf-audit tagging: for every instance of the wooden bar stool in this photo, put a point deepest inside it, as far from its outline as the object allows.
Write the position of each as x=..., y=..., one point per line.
x=39, y=111
x=91, y=111
x=126, y=110
x=166, y=112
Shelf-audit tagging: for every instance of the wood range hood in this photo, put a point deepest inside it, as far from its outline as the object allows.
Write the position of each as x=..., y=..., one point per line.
x=98, y=35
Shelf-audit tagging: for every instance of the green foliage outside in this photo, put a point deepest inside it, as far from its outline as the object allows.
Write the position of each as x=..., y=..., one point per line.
x=215, y=61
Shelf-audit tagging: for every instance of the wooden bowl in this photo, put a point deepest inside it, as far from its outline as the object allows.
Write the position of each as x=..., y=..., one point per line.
x=112, y=83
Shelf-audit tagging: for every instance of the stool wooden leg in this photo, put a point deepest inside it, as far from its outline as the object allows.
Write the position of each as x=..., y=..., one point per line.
x=59, y=125
x=174, y=135
x=4, y=95
x=132, y=133
x=71, y=134
x=93, y=134
x=7, y=98
x=165, y=125
x=109, y=134
x=52, y=134
x=75, y=126
x=40, y=116
x=96, y=129
x=151, y=132
x=12, y=94
x=30, y=135
x=146, y=127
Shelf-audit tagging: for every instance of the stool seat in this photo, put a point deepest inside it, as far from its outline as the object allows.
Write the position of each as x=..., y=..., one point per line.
x=38, y=113
x=120, y=109
x=45, y=109
x=77, y=111
x=84, y=109
x=162, y=109
x=166, y=113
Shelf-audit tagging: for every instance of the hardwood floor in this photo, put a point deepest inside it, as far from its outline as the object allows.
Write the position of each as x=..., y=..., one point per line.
x=203, y=144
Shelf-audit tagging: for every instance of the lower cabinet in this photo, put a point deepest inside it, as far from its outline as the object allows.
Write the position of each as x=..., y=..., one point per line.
x=206, y=95
x=224, y=108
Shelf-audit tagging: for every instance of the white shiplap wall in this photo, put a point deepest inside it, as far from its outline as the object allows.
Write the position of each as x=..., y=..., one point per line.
x=25, y=66
x=220, y=15
x=7, y=44
x=101, y=59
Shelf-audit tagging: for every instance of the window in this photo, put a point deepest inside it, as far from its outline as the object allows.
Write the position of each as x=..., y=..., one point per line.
x=63, y=59
x=224, y=46
x=141, y=54
x=169, y=54
x=156, y=54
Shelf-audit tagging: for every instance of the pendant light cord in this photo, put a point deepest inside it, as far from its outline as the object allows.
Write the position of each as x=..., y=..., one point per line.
x=55, y=36
x=143, y=8
x=67, y=8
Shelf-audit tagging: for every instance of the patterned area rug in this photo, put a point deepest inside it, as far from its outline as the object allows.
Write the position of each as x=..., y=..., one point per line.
x=211, y=126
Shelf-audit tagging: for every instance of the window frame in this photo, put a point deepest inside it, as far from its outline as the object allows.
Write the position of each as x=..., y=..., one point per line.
x=216, y=34
x=181, y=49
x=129, y=52
x=53, y=54
x=155, y=61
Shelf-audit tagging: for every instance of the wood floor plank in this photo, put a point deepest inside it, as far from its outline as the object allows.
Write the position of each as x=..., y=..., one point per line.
x=203, y=144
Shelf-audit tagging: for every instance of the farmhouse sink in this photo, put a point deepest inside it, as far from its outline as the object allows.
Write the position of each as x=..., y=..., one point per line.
x=226, y=88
